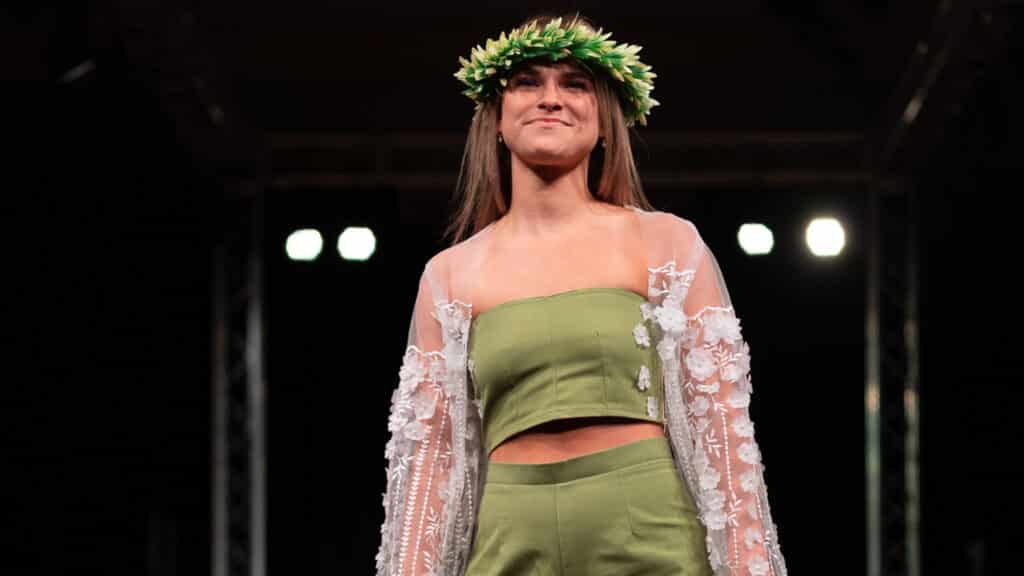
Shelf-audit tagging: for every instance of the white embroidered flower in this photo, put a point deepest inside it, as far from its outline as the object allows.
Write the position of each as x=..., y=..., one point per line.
x=701, y=363
x=743, y=356
x=758, y=566
x=731, y=372
x=738, y=367
x=700, y=406
x=715, y=519
x=647, y=310
x=721, y=325
x=743, y=364
x=690, y=336
x=454, y=321
x=709, y=478
x=643, y=381
x=752, y=537
x=714, y=499
x=671, y=319
x=643, y=339
x=412, y=371
x=739, y=399
x=652, y=406
x=397, y=419
x=414, y=430
x=748, y=480
x=748, y=453
x=742, y=426
x=424, y=403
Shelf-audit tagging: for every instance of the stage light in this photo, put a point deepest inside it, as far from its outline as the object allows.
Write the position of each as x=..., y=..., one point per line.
x=357, y=243
x=304, y=245
x=755, y=239
x=825, y=237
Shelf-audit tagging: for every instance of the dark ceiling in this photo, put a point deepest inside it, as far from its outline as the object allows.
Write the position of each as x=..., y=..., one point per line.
x=328, y=94
x=729, y=66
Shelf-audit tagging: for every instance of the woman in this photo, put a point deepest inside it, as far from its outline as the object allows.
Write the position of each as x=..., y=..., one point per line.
x=573, y=398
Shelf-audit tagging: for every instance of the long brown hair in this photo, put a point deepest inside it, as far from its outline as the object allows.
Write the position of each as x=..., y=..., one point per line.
x=483, y=192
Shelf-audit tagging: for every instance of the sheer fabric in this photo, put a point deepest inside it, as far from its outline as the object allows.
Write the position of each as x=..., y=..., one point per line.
x=436, y=465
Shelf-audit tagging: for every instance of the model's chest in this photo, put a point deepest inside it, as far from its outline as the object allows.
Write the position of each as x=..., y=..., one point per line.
x=514, y=271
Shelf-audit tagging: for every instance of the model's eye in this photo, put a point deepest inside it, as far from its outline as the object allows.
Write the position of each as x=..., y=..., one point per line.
x=578, y=84
x=526, y=80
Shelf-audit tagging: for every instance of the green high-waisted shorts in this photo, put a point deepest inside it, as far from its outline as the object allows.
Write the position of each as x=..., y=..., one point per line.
x=621, y=511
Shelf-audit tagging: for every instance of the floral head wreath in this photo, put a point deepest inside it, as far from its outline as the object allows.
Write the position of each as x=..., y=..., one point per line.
x=485, y=73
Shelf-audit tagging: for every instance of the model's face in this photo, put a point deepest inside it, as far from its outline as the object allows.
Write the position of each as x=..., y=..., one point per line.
x=549, y=90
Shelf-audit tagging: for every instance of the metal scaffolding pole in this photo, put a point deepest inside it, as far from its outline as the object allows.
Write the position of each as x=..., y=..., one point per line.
x=239, y=463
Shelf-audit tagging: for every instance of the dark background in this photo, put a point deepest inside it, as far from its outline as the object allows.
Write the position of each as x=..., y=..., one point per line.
x=124, y=175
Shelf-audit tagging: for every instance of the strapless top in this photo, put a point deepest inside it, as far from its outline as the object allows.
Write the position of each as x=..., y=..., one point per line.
x=584, y=352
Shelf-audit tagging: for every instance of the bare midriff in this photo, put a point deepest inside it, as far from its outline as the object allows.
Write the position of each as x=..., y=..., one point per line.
x=571, y=437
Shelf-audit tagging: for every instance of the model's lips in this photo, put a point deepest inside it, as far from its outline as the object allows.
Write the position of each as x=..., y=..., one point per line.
x=549, y=121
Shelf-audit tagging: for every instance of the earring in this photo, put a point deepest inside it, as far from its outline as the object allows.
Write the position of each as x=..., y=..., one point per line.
x=604, y=143
x=499, y=137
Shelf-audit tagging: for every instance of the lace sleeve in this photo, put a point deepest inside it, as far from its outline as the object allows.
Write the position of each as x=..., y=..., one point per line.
x=423, y=480
x=715, y=362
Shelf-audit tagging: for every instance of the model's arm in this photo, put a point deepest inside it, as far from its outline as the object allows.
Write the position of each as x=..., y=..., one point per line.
x=419, y=452
x=715, y=362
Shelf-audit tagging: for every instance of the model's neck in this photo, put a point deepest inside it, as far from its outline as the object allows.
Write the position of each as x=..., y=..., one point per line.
x=547, y=201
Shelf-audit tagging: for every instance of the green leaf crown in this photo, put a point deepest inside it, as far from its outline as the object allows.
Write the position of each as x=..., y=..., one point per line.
x=485, y=73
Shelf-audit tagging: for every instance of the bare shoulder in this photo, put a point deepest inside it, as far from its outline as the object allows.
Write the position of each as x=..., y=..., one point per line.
x=666, y=225
x=442, y=262
x=450, y=269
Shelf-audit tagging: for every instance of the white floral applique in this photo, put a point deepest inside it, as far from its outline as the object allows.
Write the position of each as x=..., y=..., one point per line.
x=666, y=291
x=652, y=406
x=749, y=453
x=749, y=480
x=671, y=319
x=455, y=321
x=699, y=406
x=758, y=567
x=643, y=381
x=752, y=536
x=415, y=398
x=743, y=426
x=702, y=365
x=702, y=356
x=647, y=310
x=640, y=334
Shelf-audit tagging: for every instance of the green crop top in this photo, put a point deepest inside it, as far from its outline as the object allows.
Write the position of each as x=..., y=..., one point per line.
x=566, y=355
